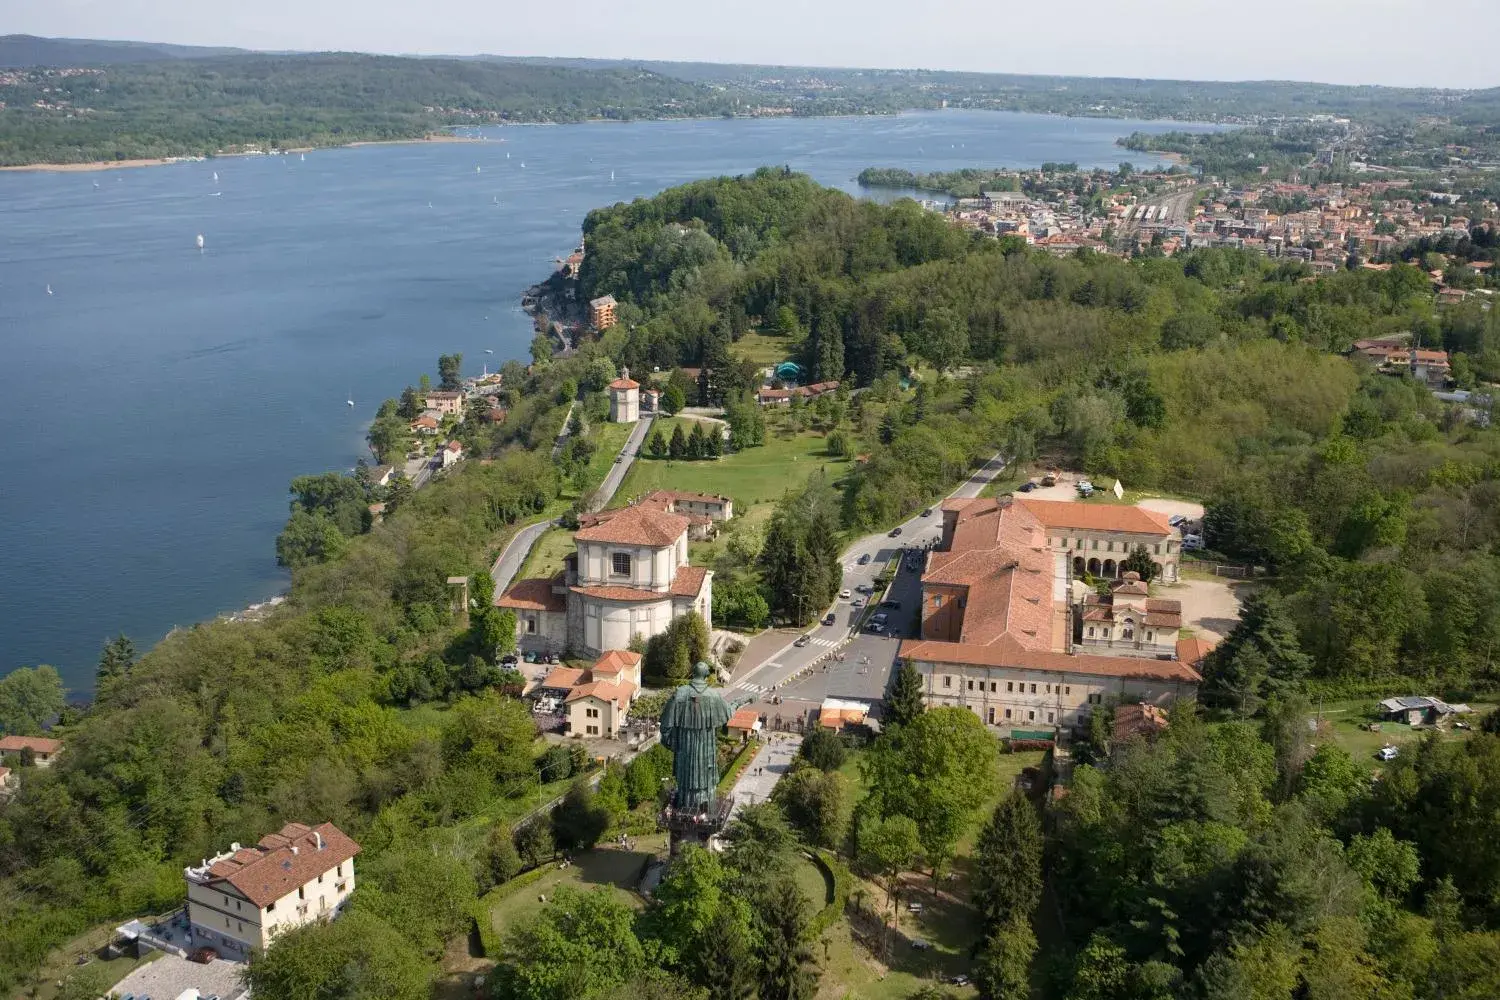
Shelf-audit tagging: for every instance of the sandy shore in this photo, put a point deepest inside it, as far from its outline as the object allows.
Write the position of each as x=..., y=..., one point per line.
x=72, y=168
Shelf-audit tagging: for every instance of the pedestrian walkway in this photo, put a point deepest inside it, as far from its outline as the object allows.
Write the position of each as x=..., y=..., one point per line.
x=757, y=781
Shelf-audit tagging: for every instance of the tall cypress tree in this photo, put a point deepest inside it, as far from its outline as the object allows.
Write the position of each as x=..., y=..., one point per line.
x=1008, y=864
x=905, y=701
x=677, y=447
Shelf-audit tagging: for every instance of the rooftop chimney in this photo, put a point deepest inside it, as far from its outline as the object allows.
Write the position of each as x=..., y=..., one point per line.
x=294, y=848
x=318, y=839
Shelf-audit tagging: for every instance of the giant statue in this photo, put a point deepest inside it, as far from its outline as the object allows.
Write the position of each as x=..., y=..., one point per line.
x=690, y=725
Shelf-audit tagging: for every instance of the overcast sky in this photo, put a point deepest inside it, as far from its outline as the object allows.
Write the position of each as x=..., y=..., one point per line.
x=1395, y=42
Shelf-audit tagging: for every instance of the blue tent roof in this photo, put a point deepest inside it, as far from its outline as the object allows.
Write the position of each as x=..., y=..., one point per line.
x=789, y=370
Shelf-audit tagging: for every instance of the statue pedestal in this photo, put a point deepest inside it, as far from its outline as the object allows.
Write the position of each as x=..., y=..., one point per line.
x=694, y=826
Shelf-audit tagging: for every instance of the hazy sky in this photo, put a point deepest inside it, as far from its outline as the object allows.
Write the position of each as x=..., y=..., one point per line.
x=1396, y=42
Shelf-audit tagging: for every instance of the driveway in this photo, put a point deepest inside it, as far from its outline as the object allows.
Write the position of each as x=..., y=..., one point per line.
x=771, y=670
x=170, y=976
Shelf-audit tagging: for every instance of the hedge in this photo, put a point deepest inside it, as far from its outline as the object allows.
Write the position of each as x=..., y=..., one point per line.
x=837, y=873
x=741, y=761
x=489, y=942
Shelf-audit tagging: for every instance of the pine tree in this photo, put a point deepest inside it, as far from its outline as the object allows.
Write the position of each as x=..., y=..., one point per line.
x=726, y=962
x=677, y=448
x=786, y=962
x=658, y=444
x=116, y=660
x=714, y=440
x=1002, y=970
x=696, y=446
x=905, y=701
x=1008, y=864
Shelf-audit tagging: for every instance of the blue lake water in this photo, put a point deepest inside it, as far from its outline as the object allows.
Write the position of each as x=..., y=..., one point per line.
x=158, y=401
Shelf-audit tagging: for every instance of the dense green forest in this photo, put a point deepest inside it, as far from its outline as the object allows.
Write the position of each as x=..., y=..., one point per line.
x=1231, y=858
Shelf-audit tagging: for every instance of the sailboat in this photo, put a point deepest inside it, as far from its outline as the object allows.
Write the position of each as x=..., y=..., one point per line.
x=49, y=289
x=96, y=185
x=611, y=175
x=200, y=241
x=216, y=177
x=507, y=154
x=349, y=401
x=479, y=170
x=301, y=157
x=489, y=350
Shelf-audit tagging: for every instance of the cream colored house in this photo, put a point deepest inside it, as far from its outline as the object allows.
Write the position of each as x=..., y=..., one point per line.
x=599, y=708
x=628, y=577
x=446, y=403
x=238, y=901
x=624, y=399
x=1096, y=538
x=43, y=750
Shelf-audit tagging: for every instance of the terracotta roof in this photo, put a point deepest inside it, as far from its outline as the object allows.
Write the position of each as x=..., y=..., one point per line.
x=744, y=719
x=688, y=581
x=563, y=678
x=1138, y=720
x=1097, y=517
x=636, y=526
x=36, y=744
x=532, y=595
x=425, y=421
x=616, y=661
x=283, y=861
x=624, y=383
x=618, y=692
x=455, y=446
x=1162, y=619
x=998, y=557
x=4, y=773
x=621, y=593
x=1008, y=653
x=838, y=718
x=1192, y=651
x=675, y=495
x=1164, y=605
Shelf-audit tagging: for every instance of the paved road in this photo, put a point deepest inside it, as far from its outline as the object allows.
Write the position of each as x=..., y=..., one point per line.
x=772, y=673
x=757, y=781
x=562, y=435
x=513, y=557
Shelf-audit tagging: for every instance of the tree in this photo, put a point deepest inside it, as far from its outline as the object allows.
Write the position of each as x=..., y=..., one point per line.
x=1261, y=658
x=905, y=701
x=30, y=698
x=534, y=843
x=1139, y=561
x=936, y=770
x=579, y=819
x=657, y=447
x=713, y=443
x=814, y=803
x=787, y=972
x=1007, y=878
x=726, y=963
x=601, y=372
x=673, y=399
x=887, y=847
x=357, y=957
x=1002, y=970
x=678, y=447
x=839, y=444
x=696, y=446
x=541, y=349
x=824, y=749
x=308, y=539
x=612, y=795
x=502, y=861
x=116, y=660
x=450, y=371
x=944, y=338
x=580, y=945
x=424, y=894
x=494, y=633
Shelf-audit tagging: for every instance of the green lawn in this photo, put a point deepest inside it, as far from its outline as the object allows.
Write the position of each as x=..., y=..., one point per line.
x=752, y=476
x=1342, y=721
x=764, y=348
x=547, y=554
x=609, y=866
x=607, y=439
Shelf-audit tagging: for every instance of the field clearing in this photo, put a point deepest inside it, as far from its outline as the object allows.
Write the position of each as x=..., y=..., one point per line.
x=603, y=866
x=1342, y=720
x=547, y=555
x=764, y=348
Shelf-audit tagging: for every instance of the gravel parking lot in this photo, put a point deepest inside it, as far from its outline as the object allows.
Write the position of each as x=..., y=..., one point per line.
x=169, y=976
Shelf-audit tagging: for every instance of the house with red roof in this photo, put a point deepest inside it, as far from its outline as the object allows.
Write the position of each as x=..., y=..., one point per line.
x=42, y=750
x=628, y=576
x=239, y=901
x=624, y=399
x=999, y=623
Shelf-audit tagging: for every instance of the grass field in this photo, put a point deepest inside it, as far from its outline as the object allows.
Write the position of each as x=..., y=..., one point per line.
x=1342, y=721
x=764, y=348
x=603, y=866
x=752, y=476
x=547, y=554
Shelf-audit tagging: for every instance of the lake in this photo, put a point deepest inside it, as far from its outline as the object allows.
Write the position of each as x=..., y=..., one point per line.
x=158, y=399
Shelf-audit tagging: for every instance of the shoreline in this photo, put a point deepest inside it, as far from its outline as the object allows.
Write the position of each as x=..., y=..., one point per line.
x=168, y=161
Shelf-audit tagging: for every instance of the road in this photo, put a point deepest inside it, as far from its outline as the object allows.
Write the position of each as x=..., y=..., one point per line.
x=867, y=658
x=513, y=556
x=562, y=435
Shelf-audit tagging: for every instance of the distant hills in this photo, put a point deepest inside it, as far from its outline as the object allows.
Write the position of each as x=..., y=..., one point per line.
x=17, y=51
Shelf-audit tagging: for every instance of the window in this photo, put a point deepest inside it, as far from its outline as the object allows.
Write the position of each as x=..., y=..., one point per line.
x=1106, y=633
x=1010, y=686
x=1156, y=548
x=992, y=716
x=947, y=682
x=1150, y=636
x=620, y=563
x=971, y=685
x=1096, y=544
x=1091, y=631
x=301, y=892
x=1050, y=718
x=1129, y=632
x=993, y=686
x=937, y=600
x=593, y=730
x=338, y=871
x=1049, y=688
x=1109, y=546
x=530, y=625
x=270, y=907
x=1007, y=713
x=1033, y=689
x=1067, y=689
x=242, y=926
x=1030, y=716
x=320, y=879
x=226, y=900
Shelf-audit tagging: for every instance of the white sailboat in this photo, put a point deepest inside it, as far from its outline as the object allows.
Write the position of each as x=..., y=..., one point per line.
x=489, y=350
x=349, y=401
x=216, y=177
x=507, y=154
x=611, y=175
x=479, y=170
x=200, y=241
x=49, y=289
x=301, y=157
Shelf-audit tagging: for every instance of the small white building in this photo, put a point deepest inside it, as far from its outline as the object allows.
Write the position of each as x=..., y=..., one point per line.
x=624, y=399
x=238, y=901
x=453, y=453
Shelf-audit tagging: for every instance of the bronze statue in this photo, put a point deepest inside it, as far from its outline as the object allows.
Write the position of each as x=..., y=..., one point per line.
x=690, y=724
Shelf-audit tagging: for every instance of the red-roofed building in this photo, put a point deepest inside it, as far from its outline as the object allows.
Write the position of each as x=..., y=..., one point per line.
x=624, y=399
x=238, y=901
x=744, y=723
x=42, y=749
x=999, y=632
x=599, y=708
x=1099, y=537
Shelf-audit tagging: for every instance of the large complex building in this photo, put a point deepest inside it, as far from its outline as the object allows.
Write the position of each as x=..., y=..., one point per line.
x=628, y=576
x=1000, y=614
x=238, y=901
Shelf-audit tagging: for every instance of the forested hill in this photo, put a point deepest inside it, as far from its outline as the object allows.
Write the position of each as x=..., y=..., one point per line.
x=199, y=106
x=1239, y=855
x=28, y=50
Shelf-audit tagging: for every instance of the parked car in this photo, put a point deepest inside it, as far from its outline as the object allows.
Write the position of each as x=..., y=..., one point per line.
x=801, y=640
x=864, y=560
x=881, y=618
x=875, y=627
x=864, y=588
x=1027, y=486
x=508, y=660
x=1190, y=542
x=1049, y=480
x=858, y=602
x=920, y=944
x=893, y=605
x=895, y=531
x=828, y=619
x=1388, y=752
x=927, y=512
x=959, y=980
x=1177, y=520
x=843, y=595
